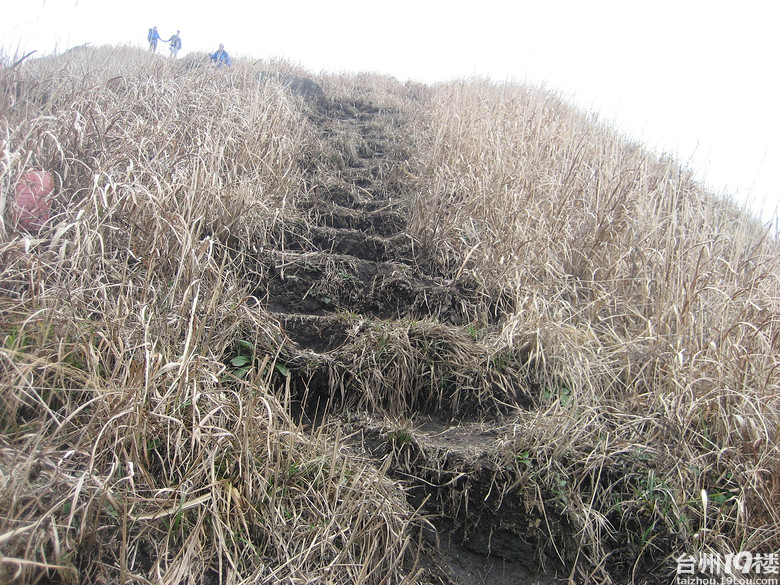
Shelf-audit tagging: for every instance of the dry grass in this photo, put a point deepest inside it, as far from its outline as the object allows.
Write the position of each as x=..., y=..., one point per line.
x=636, y=313
x=651, y=307
x=122, y=421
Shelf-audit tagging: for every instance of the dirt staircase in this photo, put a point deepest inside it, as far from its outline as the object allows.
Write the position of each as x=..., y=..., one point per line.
x=352, y=254
x=343, y=280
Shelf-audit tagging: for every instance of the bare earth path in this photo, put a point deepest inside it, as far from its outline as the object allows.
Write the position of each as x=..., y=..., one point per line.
x=344, y=278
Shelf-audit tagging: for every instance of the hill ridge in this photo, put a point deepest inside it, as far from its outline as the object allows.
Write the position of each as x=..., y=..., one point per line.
x=384, y=334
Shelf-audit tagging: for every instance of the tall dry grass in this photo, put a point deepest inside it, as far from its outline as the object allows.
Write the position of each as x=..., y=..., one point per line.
x=638, y=312
x=650, y=306
x=131, y=452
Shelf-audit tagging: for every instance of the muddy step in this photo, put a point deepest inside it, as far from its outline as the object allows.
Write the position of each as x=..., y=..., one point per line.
x=463, y=441
x=452, y=446
x=372, y=148
x=355, y=110
x=330, y=189
x=350, y=196
x=375, y=147
x=317, y=333
x=318, y=283
x=348, y=242
x=384, y=223
x=451, y=563
x=367, y=174
x=378, y=177
x=461, y=476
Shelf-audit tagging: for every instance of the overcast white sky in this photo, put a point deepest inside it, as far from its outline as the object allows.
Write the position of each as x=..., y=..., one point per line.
x=696, y=78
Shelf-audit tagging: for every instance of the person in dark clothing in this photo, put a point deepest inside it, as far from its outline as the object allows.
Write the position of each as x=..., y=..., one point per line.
x=220, y=57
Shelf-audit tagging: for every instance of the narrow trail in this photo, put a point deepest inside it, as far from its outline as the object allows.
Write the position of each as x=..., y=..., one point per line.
x=353, y=253
x=350, y=269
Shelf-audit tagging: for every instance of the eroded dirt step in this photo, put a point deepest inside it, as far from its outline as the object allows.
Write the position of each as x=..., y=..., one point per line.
x=452, y=564
x=316, y=333
x=459, y=473
x=382, y=222
x=385, y=197
x=318, y=283
x=368, y=172
x=354, y=110
x=348, y=242
x=452, y=443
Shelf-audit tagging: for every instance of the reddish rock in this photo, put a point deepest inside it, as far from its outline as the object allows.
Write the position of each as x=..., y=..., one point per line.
x=33, y=201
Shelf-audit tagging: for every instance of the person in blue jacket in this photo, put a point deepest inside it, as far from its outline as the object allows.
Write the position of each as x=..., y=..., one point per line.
x=220, y=58
x=175, y=42
x=153, y=37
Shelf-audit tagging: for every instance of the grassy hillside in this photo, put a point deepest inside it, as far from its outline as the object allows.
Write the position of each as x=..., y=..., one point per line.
x=351, y=337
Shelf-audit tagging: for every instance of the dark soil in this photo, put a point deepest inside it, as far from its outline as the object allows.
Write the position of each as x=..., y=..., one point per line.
x=478, y=534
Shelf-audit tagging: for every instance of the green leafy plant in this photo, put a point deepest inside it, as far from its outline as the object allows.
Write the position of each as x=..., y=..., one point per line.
x=561, y=394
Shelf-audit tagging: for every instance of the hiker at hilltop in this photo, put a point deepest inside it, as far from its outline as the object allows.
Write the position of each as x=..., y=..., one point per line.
x=153, y=37
x=220, y=57
x=175, y=42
